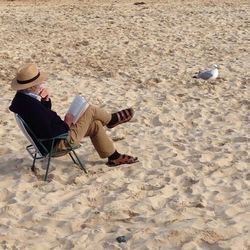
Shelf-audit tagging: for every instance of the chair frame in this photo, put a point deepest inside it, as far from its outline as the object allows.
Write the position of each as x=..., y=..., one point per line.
x=36, y=154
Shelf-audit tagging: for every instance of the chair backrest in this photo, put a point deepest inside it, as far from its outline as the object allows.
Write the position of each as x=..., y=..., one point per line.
x=40, y=149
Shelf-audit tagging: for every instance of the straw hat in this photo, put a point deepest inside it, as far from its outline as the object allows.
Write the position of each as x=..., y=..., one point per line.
x=28, y=76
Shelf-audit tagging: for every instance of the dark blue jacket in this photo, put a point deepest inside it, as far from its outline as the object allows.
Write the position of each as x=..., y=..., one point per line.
x=38, y=115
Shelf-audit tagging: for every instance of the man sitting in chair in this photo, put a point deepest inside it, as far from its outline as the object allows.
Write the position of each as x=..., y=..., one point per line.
x=33, y=104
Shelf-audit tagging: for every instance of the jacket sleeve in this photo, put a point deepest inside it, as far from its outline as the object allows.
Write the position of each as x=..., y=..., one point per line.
x=47, y=104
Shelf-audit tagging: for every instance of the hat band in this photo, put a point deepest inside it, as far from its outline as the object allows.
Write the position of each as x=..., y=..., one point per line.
x=30, y=80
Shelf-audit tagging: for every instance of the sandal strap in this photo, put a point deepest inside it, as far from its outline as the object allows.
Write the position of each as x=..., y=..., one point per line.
x=123, y=159
x=119, y=116
x=124, y=115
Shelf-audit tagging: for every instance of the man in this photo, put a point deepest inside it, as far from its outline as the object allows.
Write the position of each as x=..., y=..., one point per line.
x=33, y=104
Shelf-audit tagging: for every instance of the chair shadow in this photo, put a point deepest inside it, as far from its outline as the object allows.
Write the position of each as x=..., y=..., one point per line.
x=89, y=163
x=15, y=168
x=95, y=163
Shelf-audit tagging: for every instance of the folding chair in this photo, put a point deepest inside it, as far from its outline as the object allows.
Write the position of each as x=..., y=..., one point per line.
x=38, y=151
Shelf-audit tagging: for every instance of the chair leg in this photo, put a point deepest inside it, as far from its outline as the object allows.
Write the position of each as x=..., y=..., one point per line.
x=33, y=164
x=49, y=158
x=47, y=169
x=78, y=160
x=72, y=158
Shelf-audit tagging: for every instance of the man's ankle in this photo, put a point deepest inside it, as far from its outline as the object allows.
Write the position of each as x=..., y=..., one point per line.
x=114, y=119
x=114, y=156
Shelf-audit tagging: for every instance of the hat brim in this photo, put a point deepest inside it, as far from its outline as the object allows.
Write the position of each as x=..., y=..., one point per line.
x=17, y=86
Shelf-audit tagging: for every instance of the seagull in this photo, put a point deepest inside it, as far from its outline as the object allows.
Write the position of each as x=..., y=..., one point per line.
x=208, y=74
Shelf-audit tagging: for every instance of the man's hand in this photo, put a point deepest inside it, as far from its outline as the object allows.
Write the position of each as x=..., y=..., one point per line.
x=69, y=119
x=44, y=94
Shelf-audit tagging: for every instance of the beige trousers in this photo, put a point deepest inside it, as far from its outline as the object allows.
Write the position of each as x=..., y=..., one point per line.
x=91, y=124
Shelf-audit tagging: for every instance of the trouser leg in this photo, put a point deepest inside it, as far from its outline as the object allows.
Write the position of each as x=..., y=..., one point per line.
x=102, y=143
x=79, y=130
x=91, y=124
x=101, y=115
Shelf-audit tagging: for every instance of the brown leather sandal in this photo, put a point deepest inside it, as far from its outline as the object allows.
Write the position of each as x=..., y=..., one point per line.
x=123, y=116
x=122, y=159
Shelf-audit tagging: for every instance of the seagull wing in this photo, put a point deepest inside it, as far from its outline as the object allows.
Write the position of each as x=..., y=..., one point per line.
x=205, y=74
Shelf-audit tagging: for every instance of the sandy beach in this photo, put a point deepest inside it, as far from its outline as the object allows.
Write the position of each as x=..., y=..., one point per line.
x=190, y=189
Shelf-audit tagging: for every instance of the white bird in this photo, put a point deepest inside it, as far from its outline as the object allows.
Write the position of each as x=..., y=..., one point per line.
x=208, y=74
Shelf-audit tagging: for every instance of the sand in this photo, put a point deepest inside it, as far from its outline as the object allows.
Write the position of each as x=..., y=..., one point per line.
x=190, y=189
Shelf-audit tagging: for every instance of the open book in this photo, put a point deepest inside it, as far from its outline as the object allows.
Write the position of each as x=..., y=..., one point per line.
x=78, y=107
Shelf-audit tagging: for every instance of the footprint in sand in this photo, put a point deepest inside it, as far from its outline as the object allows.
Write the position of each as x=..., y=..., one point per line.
x=10, y=211
x=156, y=121
x=179, y=171
x=6, y=195
x=240, y=139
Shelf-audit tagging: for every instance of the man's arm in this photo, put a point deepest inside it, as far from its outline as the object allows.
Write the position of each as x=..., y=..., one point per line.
x=68, y=119
x=46, y=103
x=45, y=99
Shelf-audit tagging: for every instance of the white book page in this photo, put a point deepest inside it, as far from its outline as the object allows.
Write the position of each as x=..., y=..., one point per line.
x=78, y=107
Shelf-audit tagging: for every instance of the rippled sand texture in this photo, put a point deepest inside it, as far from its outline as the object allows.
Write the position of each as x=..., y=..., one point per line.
x=190, y=189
